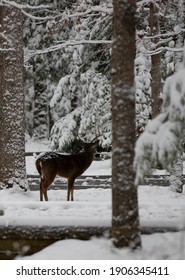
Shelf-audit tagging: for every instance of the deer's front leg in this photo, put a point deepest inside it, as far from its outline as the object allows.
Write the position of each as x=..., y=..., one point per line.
x=70, y=189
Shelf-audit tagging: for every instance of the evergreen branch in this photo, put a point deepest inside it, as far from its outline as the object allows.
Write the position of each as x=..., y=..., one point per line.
x=25, y=6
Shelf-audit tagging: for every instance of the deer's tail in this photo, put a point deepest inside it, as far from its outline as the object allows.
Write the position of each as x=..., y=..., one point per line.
x=38, y=165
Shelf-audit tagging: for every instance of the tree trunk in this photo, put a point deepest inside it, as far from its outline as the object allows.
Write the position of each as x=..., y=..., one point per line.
x=155, y=64
x=41, y=112
x=125, y=220
x=12, y=122
x=179, y=43
x=176, y=174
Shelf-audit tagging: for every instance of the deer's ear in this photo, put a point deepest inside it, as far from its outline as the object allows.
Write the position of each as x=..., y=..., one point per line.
x=96, y=142
x=80, y=142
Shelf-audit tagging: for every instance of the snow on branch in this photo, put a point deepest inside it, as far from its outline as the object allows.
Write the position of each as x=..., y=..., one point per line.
x=164, y=38
x=161, y=49
x=161, y=140
x=8, y=46
x=97, y=9
x=37, y=17
x=163, y=35
x=25, y=6
x=5, y=37
x=82, y=42
x=29, y=54
x=7, y=50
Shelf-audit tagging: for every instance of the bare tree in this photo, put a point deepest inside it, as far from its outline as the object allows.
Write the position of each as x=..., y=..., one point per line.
x=12, y=125
x=125, y=220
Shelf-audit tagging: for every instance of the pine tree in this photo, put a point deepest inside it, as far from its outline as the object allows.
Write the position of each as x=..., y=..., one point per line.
x=42, y=71
x=161, y=141
x=91, y=115
x=143, y=84
x=56, y=74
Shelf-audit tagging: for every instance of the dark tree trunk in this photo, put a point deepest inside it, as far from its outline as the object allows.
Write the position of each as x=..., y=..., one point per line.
x=125, y=220
x=41, y=112
x=12, y=121
x=155, y=63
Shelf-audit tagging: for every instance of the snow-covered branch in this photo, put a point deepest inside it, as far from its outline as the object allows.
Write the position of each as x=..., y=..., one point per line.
x=82, y=42
x=7, y=50
x=97, y=9
x=4, y=37
x=162, y=35
x=8, y=46
x=161, y=49
x=37, y=17
x=24, y=6
x=164, y=38
x=63, y=44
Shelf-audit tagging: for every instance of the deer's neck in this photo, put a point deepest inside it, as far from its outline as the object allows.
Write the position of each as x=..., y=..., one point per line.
x=88, y=157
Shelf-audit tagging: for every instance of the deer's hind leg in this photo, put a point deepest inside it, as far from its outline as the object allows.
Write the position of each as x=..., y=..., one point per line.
x=41, y=192
x=44, y=184
x=43, y=189
x=70, y=189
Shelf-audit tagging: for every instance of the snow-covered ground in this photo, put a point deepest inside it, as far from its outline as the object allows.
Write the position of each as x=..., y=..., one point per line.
x=158, y=206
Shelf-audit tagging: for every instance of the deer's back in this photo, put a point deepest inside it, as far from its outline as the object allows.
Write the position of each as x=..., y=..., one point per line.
x=65, y=165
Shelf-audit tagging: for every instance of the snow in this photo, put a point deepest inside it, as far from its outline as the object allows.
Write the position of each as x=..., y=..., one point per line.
x=155, y=246
x=158, y=206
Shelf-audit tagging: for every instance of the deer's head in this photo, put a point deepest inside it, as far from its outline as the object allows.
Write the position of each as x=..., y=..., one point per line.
x=89, y=146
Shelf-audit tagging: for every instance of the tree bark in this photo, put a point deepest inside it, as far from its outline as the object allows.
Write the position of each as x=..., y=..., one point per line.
x=176, y=174
x=12, y=121
x=125, y=220
x=41, y=112
x=155, y=64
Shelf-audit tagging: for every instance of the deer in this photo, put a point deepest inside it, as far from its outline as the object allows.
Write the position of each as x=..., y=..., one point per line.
x=69, y=166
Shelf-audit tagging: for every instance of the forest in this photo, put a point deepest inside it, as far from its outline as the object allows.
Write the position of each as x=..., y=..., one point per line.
x=95, y=67
x=67, y=66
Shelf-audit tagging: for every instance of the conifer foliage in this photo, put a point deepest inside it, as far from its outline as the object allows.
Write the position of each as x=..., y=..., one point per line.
x=74, y=79
x=161, y=141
